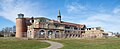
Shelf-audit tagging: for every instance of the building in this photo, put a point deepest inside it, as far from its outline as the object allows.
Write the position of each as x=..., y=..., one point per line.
x=42, y=27
x=93, y=32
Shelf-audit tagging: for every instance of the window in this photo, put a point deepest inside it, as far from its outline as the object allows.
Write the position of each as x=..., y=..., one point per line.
x=82, y=28
x=42, y=20
x=67, y=27
x=43, y=25
x=97, y=28
x=82, y=32
x=75, y=28
x=89, y=28
x=56, y=26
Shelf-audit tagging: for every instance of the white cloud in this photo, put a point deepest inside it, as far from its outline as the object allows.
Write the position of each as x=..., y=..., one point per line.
x=98, y=18
x=10, y=8
x=75, y=7
x=116, y=10
x=95, y=17
x=107, y=21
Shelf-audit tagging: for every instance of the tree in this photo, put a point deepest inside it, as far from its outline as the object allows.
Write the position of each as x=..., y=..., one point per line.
x=1, y=35
x=7, y=31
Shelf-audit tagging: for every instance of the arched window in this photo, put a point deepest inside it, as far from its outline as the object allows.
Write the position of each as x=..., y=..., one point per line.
x=41, y=34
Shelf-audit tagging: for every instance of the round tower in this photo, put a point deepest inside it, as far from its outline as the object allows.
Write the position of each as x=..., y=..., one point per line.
x=21, y=27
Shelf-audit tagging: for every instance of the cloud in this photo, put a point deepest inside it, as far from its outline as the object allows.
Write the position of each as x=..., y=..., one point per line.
x=116, y=10
x=95, y=17
x=75, y=7
x=10, y=8
x=106, y=21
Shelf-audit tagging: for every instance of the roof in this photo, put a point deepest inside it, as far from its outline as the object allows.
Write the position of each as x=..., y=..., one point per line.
x=62, y=22
x=36, y=18
x=40, y=18
x=69, y=24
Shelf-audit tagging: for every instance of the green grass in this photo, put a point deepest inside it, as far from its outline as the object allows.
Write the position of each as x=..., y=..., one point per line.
x=111, y=43
x=22, y=44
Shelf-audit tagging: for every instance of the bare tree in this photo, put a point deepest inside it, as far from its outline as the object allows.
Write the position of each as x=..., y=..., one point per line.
x=7, y=31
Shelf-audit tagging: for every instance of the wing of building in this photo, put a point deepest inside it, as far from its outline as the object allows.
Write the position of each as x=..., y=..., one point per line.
x=42, y=27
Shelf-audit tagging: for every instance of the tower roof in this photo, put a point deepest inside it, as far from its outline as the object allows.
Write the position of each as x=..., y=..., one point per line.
x=59, y=14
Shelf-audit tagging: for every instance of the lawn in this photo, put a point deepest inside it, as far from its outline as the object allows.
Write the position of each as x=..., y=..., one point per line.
x=22, y=44
x=111, y=43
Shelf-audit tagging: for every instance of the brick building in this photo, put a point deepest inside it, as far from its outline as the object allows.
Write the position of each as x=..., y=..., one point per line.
x=41, y=27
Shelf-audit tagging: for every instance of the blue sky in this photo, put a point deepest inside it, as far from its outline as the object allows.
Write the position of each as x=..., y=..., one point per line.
x=93, y=13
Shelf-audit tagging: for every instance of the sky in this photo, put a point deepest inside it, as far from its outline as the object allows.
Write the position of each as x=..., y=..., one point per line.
x=92, y=13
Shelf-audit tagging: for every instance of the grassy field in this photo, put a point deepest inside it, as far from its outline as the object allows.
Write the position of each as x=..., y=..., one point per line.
x=111, y=43
x=22, y=44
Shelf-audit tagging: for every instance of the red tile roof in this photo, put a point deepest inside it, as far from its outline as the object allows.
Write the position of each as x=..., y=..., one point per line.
x=69, y=24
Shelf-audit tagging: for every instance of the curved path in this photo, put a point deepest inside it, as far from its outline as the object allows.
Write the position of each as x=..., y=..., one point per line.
x=54, y=45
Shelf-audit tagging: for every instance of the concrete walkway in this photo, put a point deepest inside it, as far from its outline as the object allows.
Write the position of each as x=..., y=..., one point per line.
x=54, y=45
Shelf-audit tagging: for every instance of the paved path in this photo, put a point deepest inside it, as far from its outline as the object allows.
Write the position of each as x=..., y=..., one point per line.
x=54, y=45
